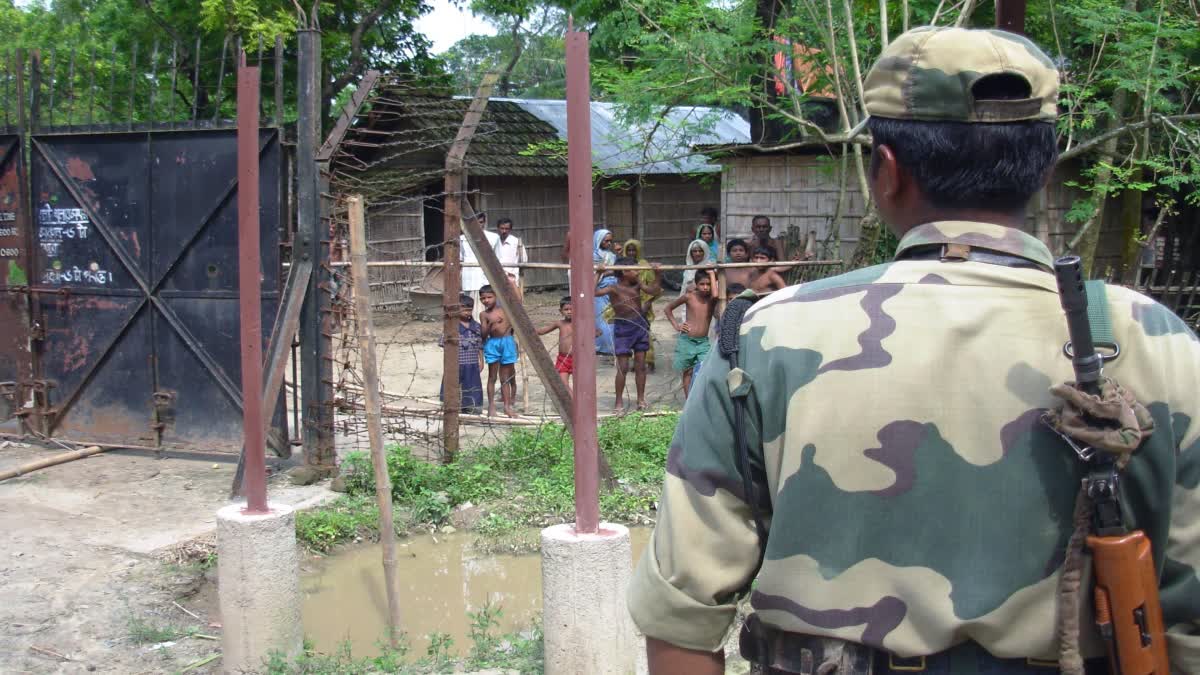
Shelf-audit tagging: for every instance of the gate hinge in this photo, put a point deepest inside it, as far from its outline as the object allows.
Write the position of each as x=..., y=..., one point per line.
x=37, y=331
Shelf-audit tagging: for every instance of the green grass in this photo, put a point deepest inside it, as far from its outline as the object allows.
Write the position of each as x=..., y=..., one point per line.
x=517, y=651
x=524, y=480
x=143, y=632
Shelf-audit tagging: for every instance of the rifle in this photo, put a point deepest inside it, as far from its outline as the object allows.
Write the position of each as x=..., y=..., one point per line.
x=1128, y=613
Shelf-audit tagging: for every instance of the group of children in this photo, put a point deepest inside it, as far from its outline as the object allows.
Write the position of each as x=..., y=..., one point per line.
x=490, y=341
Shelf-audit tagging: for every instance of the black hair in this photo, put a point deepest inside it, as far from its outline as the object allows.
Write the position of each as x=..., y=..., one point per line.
x=566, y=300
x=709, y=211
x=626, y=260
x=735, y=289
x=760, y=217
x=763, y=250
x=466, y=301
x=701, y=277
x=961, y=165
x=487, y=288
x=736, y=242
x=503, y=221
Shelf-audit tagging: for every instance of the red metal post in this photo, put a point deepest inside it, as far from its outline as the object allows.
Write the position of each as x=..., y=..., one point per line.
x=250, y=287
x=583, y=282
x=1010, y=16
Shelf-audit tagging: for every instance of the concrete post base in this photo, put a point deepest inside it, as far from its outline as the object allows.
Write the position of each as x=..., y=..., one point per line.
x=587, y=628
x=258, y=578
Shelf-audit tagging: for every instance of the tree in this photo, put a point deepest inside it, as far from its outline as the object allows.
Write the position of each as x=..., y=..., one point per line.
x=1133, y=121
x=192, y=44
x=527, y=51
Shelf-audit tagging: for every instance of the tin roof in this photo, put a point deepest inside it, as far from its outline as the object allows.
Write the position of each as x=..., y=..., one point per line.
x=622, y=146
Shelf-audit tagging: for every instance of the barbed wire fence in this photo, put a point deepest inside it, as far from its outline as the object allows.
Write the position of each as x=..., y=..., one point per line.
x=392, y=154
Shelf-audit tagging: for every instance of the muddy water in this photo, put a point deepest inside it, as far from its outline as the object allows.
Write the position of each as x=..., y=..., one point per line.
x=441, y=578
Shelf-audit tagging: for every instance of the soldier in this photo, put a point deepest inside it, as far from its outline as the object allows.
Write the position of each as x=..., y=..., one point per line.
x=915, y=511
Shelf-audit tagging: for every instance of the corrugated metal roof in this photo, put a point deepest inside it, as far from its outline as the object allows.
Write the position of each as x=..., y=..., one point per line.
x=620, y=146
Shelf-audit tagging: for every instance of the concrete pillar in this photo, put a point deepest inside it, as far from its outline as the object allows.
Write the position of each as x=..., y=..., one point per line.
x=258, y=580
x=587, y=628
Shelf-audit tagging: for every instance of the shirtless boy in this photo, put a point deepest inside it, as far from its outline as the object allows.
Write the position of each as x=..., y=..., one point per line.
x=693, y=345
x=738, y=251
x=631, y=331
x=499, y=351
x=565, y=363
x=764, y=279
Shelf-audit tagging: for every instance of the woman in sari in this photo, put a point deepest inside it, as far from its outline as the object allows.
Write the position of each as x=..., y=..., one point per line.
x=633, y=249
x=602, y=254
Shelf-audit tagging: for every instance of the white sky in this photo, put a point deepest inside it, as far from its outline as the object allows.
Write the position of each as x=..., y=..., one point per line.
x=448, y=24
x=444, y=25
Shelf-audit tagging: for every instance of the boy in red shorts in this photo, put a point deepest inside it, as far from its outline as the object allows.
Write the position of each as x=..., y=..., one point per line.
x=565, y=363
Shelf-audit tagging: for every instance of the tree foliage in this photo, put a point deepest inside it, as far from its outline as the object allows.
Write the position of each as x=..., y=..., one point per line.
x=107, y=48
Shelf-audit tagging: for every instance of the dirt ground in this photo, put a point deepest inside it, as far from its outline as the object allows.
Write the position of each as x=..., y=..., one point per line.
x=91, y=560
x=102, y=550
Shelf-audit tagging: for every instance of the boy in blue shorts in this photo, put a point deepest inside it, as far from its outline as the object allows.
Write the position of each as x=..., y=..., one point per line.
x=499, y=351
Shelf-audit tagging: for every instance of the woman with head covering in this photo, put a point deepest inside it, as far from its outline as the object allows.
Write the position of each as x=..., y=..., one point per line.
x=633, y=249
x=707, y=234
x=697, y=254
x=602, y=254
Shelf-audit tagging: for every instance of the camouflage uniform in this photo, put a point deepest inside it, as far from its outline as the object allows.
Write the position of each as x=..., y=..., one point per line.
x=915, y=500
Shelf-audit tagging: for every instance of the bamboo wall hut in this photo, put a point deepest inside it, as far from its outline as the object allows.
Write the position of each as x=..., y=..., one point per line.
x=650, y=183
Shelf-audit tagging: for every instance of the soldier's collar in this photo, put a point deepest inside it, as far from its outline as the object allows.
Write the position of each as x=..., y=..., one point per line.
x=961, y=236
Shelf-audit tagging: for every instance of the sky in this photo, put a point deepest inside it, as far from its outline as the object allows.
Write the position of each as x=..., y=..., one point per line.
x=448, y=24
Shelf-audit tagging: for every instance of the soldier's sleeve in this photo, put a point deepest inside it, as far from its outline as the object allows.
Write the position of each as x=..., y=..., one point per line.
x=704, y=551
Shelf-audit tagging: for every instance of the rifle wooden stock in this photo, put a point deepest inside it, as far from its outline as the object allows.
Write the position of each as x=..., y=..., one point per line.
x=1128, y=612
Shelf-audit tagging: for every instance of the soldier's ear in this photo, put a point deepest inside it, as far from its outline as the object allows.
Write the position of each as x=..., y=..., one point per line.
x=886, y=174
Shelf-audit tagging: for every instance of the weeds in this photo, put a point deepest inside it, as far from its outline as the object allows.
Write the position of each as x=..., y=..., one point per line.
x=524, y=480
x=515, y=652
x=142, y=632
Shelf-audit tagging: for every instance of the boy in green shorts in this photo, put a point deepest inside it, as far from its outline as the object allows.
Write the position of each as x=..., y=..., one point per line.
x=692, y=346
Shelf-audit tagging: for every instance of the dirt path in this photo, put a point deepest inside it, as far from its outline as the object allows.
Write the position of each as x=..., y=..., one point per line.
x=85, y=568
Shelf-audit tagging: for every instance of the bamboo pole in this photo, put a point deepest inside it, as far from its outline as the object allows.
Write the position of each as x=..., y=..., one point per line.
x=52, y=461
x=366, y=343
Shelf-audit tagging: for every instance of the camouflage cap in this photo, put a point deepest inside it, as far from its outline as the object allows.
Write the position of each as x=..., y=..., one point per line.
x=935, y=74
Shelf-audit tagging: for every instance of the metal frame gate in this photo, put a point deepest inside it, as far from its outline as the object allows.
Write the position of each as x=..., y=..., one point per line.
x=127, y=320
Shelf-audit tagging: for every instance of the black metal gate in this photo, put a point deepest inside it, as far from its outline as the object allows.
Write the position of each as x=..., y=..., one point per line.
x=16, y=365
x=131, y=298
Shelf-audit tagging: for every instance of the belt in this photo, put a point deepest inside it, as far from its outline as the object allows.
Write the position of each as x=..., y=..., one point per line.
x=959, y=253
x=776, y=652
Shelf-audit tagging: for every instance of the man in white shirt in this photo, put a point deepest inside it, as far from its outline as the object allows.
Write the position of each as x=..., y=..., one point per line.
x=473, y=277
x=511, y=252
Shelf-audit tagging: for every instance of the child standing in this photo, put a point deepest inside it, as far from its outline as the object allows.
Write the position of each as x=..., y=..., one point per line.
x=693, y=344
x=565, y=363
x=499, y=350
x=470, y=358
x=631, y=332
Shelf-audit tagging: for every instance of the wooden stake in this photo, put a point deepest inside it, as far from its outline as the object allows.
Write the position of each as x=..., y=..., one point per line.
x=366, y=343
x=51, y=461
x=452, y=279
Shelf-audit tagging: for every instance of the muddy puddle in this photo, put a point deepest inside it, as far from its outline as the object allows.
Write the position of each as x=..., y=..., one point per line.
x=441, y=578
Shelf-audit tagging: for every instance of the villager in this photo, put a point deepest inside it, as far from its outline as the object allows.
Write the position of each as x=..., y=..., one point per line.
x=633, y=249
x=708, y=234
x=631, y=331
x=511, y=253
x=602, y=254
x=470, y=358
x=473, y=277
x=867, y=458
x=499, y=351
x=692, y=344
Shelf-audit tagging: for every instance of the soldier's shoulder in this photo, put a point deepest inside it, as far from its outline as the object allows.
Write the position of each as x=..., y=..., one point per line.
x=1133, y=310
x=815, y=291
